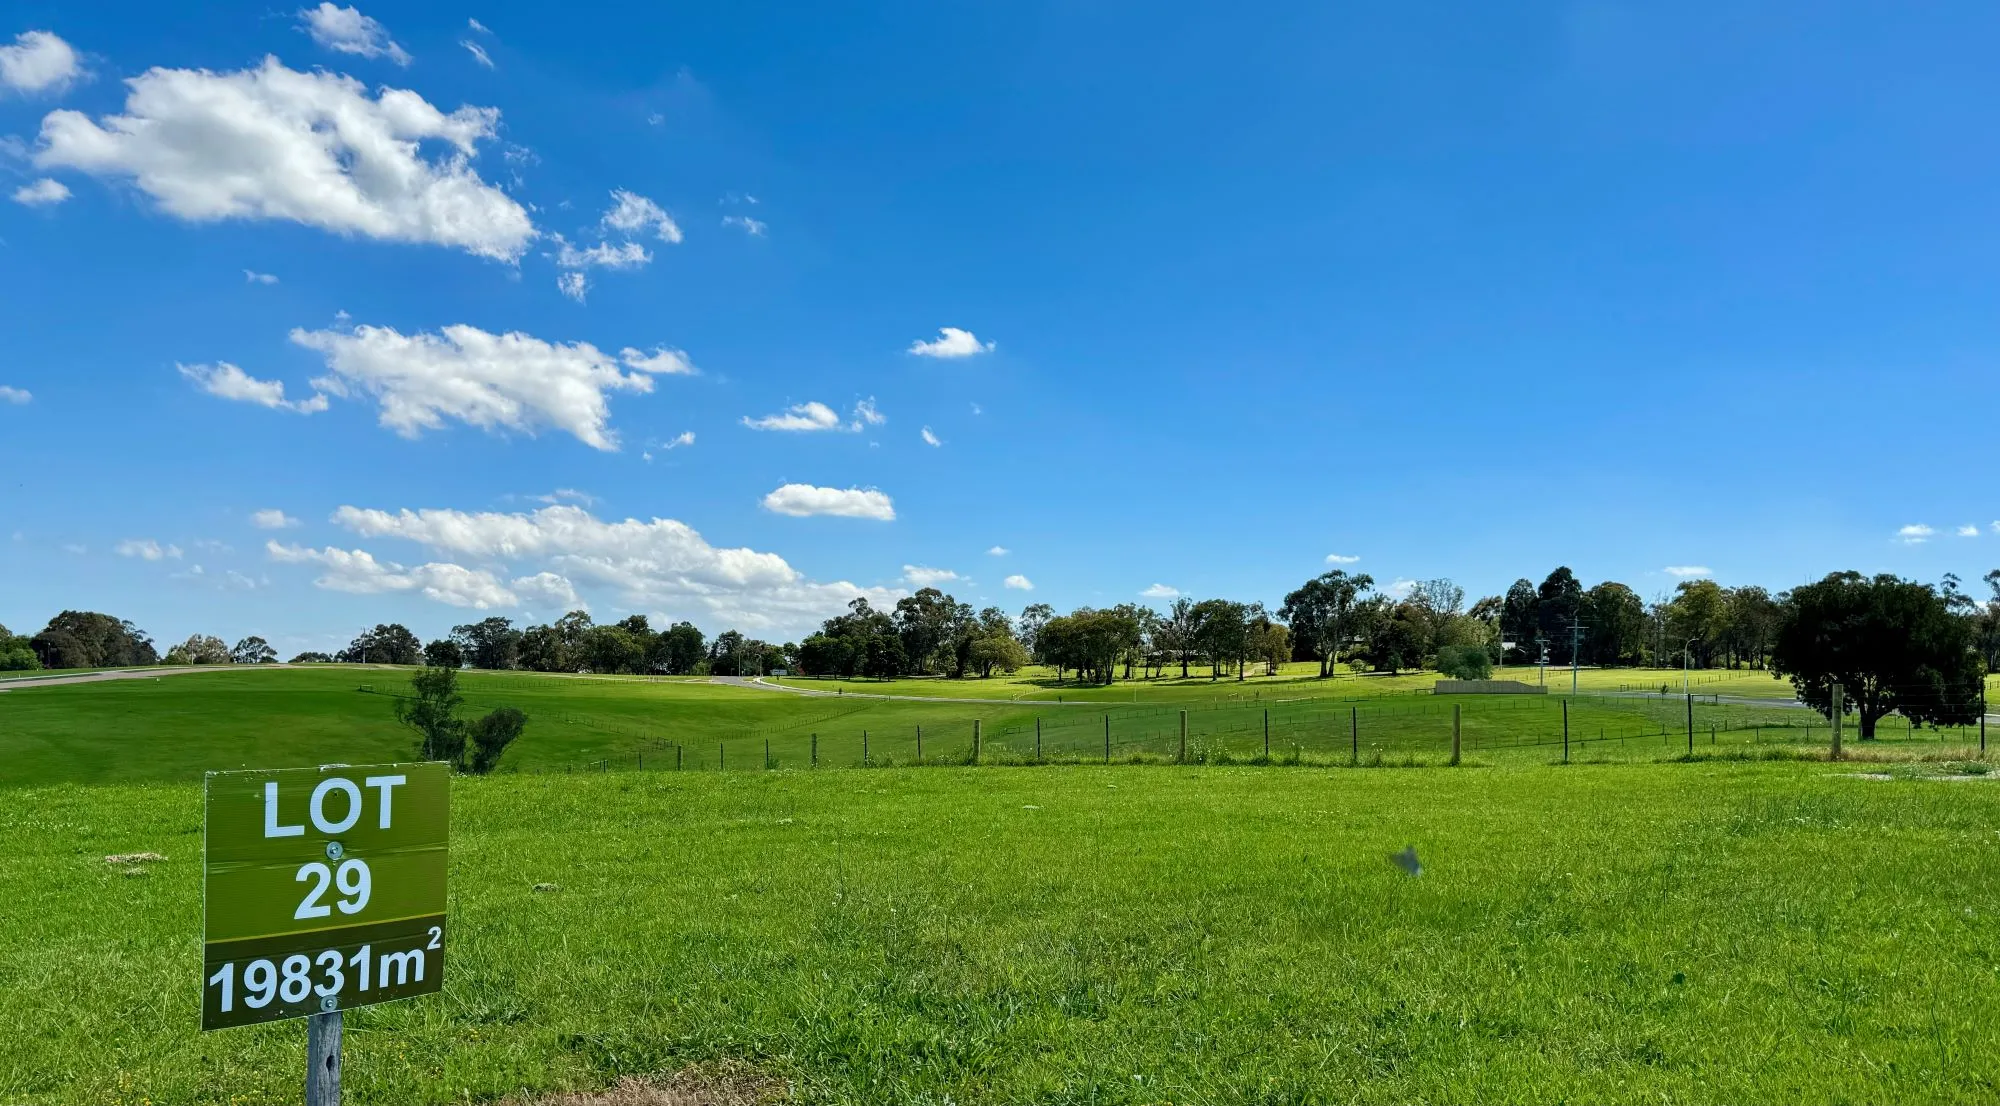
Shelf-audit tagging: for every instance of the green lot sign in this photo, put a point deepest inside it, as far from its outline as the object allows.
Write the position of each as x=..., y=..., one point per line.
x=323, y=889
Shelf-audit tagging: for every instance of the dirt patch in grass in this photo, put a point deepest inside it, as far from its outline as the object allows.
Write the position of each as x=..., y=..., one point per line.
x=720, y=1085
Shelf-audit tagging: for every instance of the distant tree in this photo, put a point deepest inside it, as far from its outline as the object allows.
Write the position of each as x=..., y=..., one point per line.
x=1520, y=620
x=1398, y=642
x=823, y=655
x=1322, y=611
x=1004, y=652
x=725, y=653
x=1751, y=616
x=1699, y=614
x=390, y=643
x=312, y=658
x=1029, y=628
x=199, y=649
x=253, y=650
x=444, y=653
x=1465, y=662
x=1270, y=642
x=17, y=653
x=1558, y=603
x=886, y=659
x=610, y=649
x=1176, y=633
x=1221, y=632
x=431, y=710
x=491, y=735
x=680, y=649
x=87, y=639
x=1615, y=624
x=541, y=649
x=1891, y=644
x=1986, y=623
x=491, y=643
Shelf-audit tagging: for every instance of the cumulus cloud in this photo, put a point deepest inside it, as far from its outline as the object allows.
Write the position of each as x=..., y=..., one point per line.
x=658, y=564
x=802, y=416
x=1401, y=589
x=1968, y=531
x=1018, y=583
x=573, y=285
x=311, y=148
x=632, y=213
x=511, y=381
x=604, y=255
x=1915, y=534
x=997, y=551
x=755, y=228
x=1161, y=591
x=271, y=518
x=802, y=500
x=1685, y=571
x=951, y=343
x=477, y=51
x=662, y=360
x=347, y=31
x=251, y=276
x=357, y=572
x=685, y=437
x=39, y=61
x=226, y=381
x=930, y=439
x=45, y=192
x=921, y=576
x=146, y=549
x=1340, y=559
x=15, y=396
x=865, y=413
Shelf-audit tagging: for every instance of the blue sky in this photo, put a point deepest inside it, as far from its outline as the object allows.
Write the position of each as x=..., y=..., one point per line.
x=1466, y=292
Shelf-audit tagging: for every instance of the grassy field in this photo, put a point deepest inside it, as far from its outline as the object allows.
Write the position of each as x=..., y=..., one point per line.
x=1723, y=932
x=176, y=727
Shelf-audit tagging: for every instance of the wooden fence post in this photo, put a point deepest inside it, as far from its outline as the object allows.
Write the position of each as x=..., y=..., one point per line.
x=1600, y=752
x=1454, y=733
x=1183, y=753
x=323, y=1059
x=815, y=752
x=1354, y=730
x=1839, y=713
x=975, y=741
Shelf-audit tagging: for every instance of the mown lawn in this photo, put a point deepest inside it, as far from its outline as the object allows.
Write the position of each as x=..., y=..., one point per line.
x=1763, y=932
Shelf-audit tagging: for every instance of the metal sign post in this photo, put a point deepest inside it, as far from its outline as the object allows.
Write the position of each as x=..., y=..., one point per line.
x=323, y=890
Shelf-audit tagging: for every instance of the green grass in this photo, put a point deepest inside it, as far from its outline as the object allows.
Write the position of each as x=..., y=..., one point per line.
x=176, y=727
x=1638, y=933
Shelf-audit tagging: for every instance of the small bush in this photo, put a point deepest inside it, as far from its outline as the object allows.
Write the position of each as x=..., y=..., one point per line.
x=1465, y=662
x=491, y=735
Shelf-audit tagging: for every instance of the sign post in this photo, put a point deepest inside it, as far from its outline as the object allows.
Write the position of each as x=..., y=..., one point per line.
x=323, y=890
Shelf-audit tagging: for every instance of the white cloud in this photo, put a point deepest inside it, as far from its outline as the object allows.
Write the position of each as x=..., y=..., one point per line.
x=15, y=395
x=573, y=285
x=662, y=360
x=45, y=192
x=1401, y=588
x=755, y=228
x=478, y=52
x=1968, y=531
x=226, y=381
x=271, y=518
x=146, y=549
x=1915, y=534
x=478, y=26
x=997, y=551
x=802, y=500
x=1340, y=559
x=632, y=213
x=251, y=276
x=931, y=439
x=865, y=412
x=1685, y=571
x=547, y=589
x=311, y=148
x=685, y=437
x=920, y=576
x=626, y=255
x=951, y=342
x=39, y=61
x=802, y=416
x=1018, y=583
x=347, y=31
x=1160, y=591
x=357, y=572
x=510, y=381
x=657, y=564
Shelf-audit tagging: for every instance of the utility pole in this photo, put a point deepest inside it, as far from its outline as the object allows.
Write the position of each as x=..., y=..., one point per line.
x=1575, y=650
x=1839, y=711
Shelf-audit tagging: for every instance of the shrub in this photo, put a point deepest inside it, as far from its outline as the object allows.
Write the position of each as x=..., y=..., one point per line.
x=492, y=734
x=1465, y=662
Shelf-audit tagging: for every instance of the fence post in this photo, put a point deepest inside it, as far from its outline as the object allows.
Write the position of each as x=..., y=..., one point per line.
x=975, y=741
x=1454, y=734
x=1354, y=730
x=864, y=748
x=1038, y=737
x=920, y=744
x=815, y=753
x=1690, y=723
x=677, y=758
x=1839, y=712
x=767, y=754
x=642, y=762
x=1107, y=739
x=719, y=759
x=1183, y=753
x=1600, y=752
x=1267, y=735
x=323, y=1058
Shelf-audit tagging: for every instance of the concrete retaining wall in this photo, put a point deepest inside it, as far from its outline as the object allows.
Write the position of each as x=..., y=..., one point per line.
x=1488, y=687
